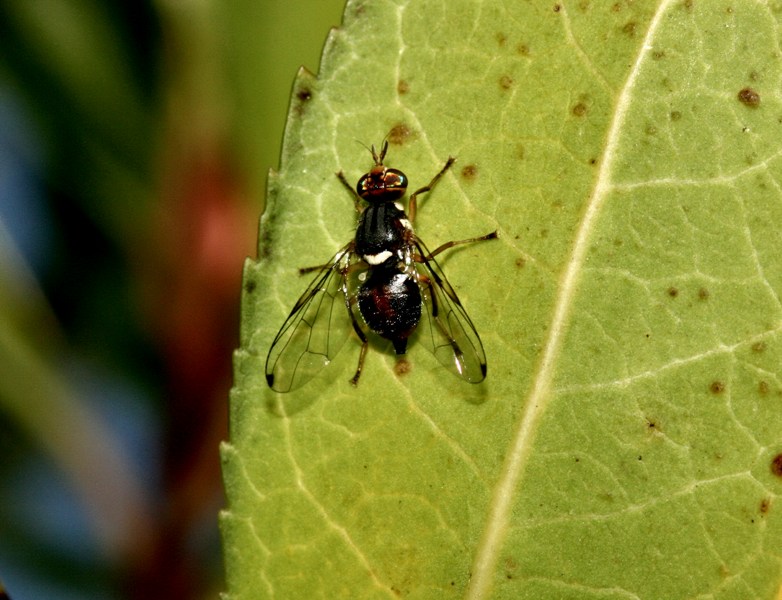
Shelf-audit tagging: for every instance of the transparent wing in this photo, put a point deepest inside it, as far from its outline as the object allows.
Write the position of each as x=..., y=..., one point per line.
x=446, y=329
x=315, y=330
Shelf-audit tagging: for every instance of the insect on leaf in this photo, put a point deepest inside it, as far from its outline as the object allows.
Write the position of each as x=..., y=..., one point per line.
x=627, y=440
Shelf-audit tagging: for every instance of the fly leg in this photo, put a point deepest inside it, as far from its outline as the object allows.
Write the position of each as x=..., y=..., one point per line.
x=412, y=205
x=362, y=336
x=351, y=189
x=350, y=267
x=489, y=236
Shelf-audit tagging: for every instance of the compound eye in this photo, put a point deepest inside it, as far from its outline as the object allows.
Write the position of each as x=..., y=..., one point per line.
x=382, y=185
x=396, y=184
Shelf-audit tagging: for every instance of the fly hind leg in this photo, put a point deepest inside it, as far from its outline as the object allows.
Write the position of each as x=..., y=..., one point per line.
x=362, y=336
x=489, y=236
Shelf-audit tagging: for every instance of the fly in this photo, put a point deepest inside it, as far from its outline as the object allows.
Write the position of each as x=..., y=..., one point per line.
x=384, y=281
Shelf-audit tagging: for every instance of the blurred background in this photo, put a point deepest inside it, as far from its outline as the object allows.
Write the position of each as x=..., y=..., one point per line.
x=135, y=138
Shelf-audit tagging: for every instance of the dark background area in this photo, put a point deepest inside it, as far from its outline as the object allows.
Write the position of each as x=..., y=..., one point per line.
x=134, y=143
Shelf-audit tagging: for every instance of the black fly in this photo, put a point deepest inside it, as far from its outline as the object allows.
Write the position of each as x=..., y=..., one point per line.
x=384, y=281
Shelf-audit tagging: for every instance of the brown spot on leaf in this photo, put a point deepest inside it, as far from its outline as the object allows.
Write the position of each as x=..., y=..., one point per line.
x=511, y=566
x=676, y=115
x=579, y=109
x=776, y=465
x=759, y=346
x=402, y=87
x=703, y=294
x=749, y=97
x=303, y=96
x=717, y=387
x=506, y=82
x=763, y=388
x=629, y=28
x=469, y=172
x=673, y=292
x=765, y=506
x=520, y=262
x=402, y=367
x=399, y=134
x=501, y=39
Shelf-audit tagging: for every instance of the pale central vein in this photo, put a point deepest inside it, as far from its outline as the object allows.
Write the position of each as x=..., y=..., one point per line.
x=498, y=520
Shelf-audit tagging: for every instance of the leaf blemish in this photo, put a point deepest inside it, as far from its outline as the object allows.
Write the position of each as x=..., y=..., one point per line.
x=765, y=506
x=672, y=292
x=511, y=566
x=579, y=109
x=749, y=97
x=776, y=465
x=399, y=134
x=629, y=28
x=676, y=115
x=470, y=172
x=402, y=367
x=520, y=262
x=759, y=347
x=716, y=387
x=506, y=82
x=402, y=87
x=763, y=388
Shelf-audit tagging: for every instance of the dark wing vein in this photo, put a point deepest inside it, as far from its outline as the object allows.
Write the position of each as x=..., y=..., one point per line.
x=315, y=330
x=448, y=331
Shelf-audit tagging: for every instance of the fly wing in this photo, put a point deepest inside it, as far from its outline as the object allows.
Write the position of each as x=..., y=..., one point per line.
x=447, y=329
x=315, y=330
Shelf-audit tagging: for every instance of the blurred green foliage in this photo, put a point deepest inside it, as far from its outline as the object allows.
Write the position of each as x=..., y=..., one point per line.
x=135, y=142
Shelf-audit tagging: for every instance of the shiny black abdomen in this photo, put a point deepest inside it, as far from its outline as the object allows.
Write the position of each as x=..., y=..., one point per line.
x=390, y=303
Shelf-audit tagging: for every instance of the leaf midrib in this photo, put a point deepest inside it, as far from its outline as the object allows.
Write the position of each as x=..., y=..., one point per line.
x=490, y=545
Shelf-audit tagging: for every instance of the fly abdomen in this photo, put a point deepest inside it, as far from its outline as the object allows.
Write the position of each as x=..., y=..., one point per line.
x=390, y=303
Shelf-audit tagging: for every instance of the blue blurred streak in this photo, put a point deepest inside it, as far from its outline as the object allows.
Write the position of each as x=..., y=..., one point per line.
x=22, y=195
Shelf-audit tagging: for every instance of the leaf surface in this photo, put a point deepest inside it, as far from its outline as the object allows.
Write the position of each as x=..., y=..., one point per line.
x=626, y=442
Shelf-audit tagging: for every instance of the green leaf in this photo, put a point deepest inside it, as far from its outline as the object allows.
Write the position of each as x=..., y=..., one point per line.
x=626, y=442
